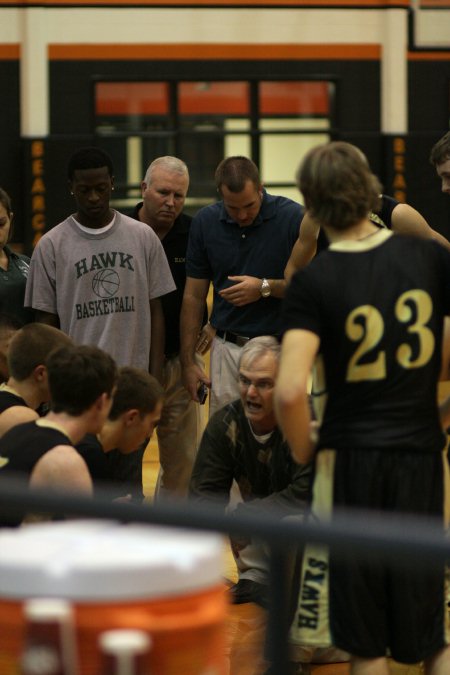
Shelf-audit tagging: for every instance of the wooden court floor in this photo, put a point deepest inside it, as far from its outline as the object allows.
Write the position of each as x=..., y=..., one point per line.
x=246, y=624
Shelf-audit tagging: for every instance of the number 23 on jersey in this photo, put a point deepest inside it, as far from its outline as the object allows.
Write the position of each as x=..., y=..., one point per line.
x=365, y=325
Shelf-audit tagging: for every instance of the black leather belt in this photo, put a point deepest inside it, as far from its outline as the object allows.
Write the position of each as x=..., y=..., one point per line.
x=228, y=336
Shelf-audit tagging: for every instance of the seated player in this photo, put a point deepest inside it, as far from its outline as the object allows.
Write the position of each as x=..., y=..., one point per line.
x=41, y=453
x=135, y=411
x=26, y=389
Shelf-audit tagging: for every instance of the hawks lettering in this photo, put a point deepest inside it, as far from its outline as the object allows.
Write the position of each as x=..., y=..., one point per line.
x=309, y=607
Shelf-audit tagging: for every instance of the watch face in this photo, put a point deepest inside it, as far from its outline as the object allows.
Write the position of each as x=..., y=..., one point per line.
x=265, y=289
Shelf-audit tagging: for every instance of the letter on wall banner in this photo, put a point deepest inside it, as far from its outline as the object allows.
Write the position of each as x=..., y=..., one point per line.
x=395, y=182
x=47, y=199
x=35, y=197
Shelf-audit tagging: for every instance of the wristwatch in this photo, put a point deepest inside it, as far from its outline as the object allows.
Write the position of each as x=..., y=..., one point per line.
x=265, y=289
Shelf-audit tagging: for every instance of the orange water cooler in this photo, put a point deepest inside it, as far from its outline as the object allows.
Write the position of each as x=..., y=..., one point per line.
x=165, y=581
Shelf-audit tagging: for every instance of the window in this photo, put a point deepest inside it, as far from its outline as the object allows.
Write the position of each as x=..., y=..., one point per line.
x=272, y=122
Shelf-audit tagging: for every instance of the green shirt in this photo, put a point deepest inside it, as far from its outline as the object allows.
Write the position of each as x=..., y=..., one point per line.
x=12, y=286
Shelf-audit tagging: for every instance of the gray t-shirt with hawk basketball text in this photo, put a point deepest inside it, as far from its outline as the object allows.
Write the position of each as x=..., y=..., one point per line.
x=100, y=285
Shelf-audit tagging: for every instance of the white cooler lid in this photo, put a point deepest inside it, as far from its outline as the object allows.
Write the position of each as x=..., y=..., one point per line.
x=102, y=560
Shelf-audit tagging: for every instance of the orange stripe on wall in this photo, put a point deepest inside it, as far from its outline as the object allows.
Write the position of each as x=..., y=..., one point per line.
x=9, y=53
x=429, y=56
x=215, y=3
x=133, y=52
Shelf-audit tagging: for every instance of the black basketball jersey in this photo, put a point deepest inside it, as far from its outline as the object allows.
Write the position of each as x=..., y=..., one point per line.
x=20, y=450
x=377, y=305
x=8, y=400
x=24, y=445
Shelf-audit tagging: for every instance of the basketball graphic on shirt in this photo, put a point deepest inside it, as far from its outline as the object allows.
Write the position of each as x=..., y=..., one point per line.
x=106, y=283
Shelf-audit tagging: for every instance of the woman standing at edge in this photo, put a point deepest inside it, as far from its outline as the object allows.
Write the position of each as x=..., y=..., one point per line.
x=13, y=267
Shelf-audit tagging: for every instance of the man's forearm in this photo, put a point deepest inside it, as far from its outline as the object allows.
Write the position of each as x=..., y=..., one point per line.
x=295, y=421
x=277, y=287
x=190, y=325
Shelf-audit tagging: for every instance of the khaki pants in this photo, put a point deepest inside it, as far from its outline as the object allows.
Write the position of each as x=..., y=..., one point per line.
x=178, y=433
x=224, y=374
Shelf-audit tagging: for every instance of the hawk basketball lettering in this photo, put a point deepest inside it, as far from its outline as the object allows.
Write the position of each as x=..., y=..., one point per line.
x=104, y=261
x=106, y=306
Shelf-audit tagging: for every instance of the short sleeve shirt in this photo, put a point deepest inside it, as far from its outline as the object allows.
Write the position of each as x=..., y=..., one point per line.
x=219, y=248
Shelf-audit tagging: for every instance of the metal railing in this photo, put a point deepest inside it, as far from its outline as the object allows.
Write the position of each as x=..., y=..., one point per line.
x=401, y=539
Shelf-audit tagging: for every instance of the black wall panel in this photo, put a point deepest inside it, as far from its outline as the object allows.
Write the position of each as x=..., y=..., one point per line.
x=71, y=90
x=11, y=178
x=428, y=96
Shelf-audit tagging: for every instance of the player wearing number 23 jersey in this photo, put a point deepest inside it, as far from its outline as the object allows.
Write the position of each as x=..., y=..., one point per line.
x=368, y=315
x=377, y=305
x=380, y=339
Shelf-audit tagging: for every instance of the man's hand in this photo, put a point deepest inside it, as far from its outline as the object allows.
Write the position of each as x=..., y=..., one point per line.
x=192, y=376
x=243, y=292
x=205, y=339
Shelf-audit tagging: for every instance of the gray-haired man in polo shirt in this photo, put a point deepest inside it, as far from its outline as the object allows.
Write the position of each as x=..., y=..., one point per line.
x=164, y=191
x=241, y=244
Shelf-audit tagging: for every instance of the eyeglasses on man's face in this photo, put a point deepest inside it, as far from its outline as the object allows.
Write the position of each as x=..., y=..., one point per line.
x=261, y=385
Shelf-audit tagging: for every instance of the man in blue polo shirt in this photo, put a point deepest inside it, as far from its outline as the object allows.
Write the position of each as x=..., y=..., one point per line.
x=241, y=244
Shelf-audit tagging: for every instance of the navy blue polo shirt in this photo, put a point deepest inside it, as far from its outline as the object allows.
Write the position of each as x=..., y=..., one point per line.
x=218, y=247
